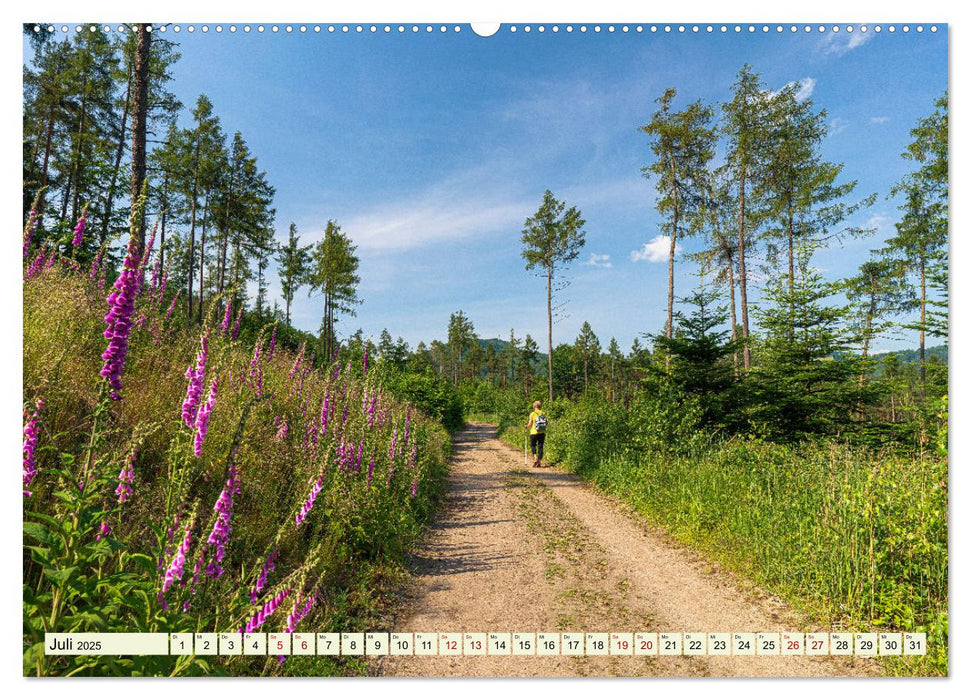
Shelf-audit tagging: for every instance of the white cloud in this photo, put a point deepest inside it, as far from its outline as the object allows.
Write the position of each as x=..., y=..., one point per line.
x=598, y=260
x=877, y=221
x=806, y=87
x=656, y=250
x=841, y=43
x=838, y=126
x=879, y=120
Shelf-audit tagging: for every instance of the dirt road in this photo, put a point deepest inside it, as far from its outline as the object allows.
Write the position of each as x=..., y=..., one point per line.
x=518, y=549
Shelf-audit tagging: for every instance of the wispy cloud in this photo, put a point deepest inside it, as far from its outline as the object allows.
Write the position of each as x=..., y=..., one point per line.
x=841, y=43
x=838, y=126
x=453, y=209
x=879, y=120
x=598, y=260
x=656, y=250
x=877, y=221
x=804, y=88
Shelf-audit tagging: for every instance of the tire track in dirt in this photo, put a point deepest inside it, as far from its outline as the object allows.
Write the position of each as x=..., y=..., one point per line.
x=518, y=549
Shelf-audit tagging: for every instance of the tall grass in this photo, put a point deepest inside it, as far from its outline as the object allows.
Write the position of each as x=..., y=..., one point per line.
x=311, y=532
x=856, y=538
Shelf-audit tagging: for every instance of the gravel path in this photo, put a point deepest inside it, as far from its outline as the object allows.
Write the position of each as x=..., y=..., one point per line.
x=518, y=549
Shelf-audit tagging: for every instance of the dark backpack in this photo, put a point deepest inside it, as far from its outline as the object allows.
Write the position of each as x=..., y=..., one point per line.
x=539, y=422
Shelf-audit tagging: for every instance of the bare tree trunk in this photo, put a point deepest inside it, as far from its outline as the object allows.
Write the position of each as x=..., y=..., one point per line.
x=192, y=224
x=742, y=277
x=119, y=152
x=202, y=253
x=674, y=238
x=45, y=168
x=549, y=325
x=76, y=166
x=923, y=320
x=139, y=115
x=165, y=206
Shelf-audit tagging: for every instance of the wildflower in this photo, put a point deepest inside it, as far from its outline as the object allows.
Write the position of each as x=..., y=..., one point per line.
x=394, y=444
x=296, y=363
x=224, y=326
x=103, y=531
x=160, y=289
x=272, y=343
x=239, y=317
x=30, y=446
x=126, y=478
x=202, y=418
x=268, y=609
x=146, y=254
x=29, y=230
x=414, y=487
x=196, y=375
x=121, y=303
x=256, y=370
x=365, y=361
x=268, y=566
x=35, y=266
x=177, y=566
x=309, y=503
x=175, y=299
x=96, y=264
x=281, y=433
x=299, y=612
x=414, y=455
x=370, y=470
x=219, y=536
x=79, y=229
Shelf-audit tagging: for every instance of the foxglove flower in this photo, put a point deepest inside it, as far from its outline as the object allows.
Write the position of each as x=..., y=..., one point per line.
x=281, y=433
x=219, y=536
x=370, y=470
x=35, y=266
x=202, y=418
x=175, y=299
x=256, y=370
x=177, y=566
x=79, y=229
x=268, y=566
x=30, y=446
x=414, y=487
x=96, y=264
x=121, y=303
x=224, y=326
x=239, y=317
x=272, y=343
x=126, y=478
x=103, y=531
x=309, y=503
x=196, y=375
x=268, y=609
x=299, y=612
x=29, y=230
x=364, y=363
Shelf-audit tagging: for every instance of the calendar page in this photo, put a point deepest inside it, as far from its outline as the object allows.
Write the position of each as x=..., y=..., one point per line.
x=523, y=349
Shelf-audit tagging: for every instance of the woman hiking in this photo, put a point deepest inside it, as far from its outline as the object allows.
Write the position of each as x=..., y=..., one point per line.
x=537, y=433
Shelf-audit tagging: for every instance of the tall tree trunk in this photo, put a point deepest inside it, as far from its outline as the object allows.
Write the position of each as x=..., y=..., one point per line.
x=138, y=124
x=923, y=320
x=165, y=206
x=119, y=152
x=549, y=326
x=202, y=253
x=192, y=223
x=742, y=277
x=76, y=165
x=731, y=295
x=48, y=139
x=674, y=242
x=792, y=274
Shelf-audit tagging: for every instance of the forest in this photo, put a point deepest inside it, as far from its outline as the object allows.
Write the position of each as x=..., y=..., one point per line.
x=194, y=461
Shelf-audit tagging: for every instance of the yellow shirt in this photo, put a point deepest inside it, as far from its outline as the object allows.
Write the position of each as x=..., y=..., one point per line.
x=532, y=422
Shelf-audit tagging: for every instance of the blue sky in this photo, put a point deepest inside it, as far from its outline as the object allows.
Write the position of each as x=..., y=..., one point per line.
x=432, y=149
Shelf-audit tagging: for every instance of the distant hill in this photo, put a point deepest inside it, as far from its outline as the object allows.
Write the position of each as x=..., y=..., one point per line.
x=498, y=344
x=914, y=355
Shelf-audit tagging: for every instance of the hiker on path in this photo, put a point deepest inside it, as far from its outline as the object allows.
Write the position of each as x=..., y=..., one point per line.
x=537, y=433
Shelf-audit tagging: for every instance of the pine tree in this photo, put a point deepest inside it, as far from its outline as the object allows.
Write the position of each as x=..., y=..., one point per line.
x=333, y=273
x=588, y=350
x=683, y=145
x=294, y=261
x=552, y=238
